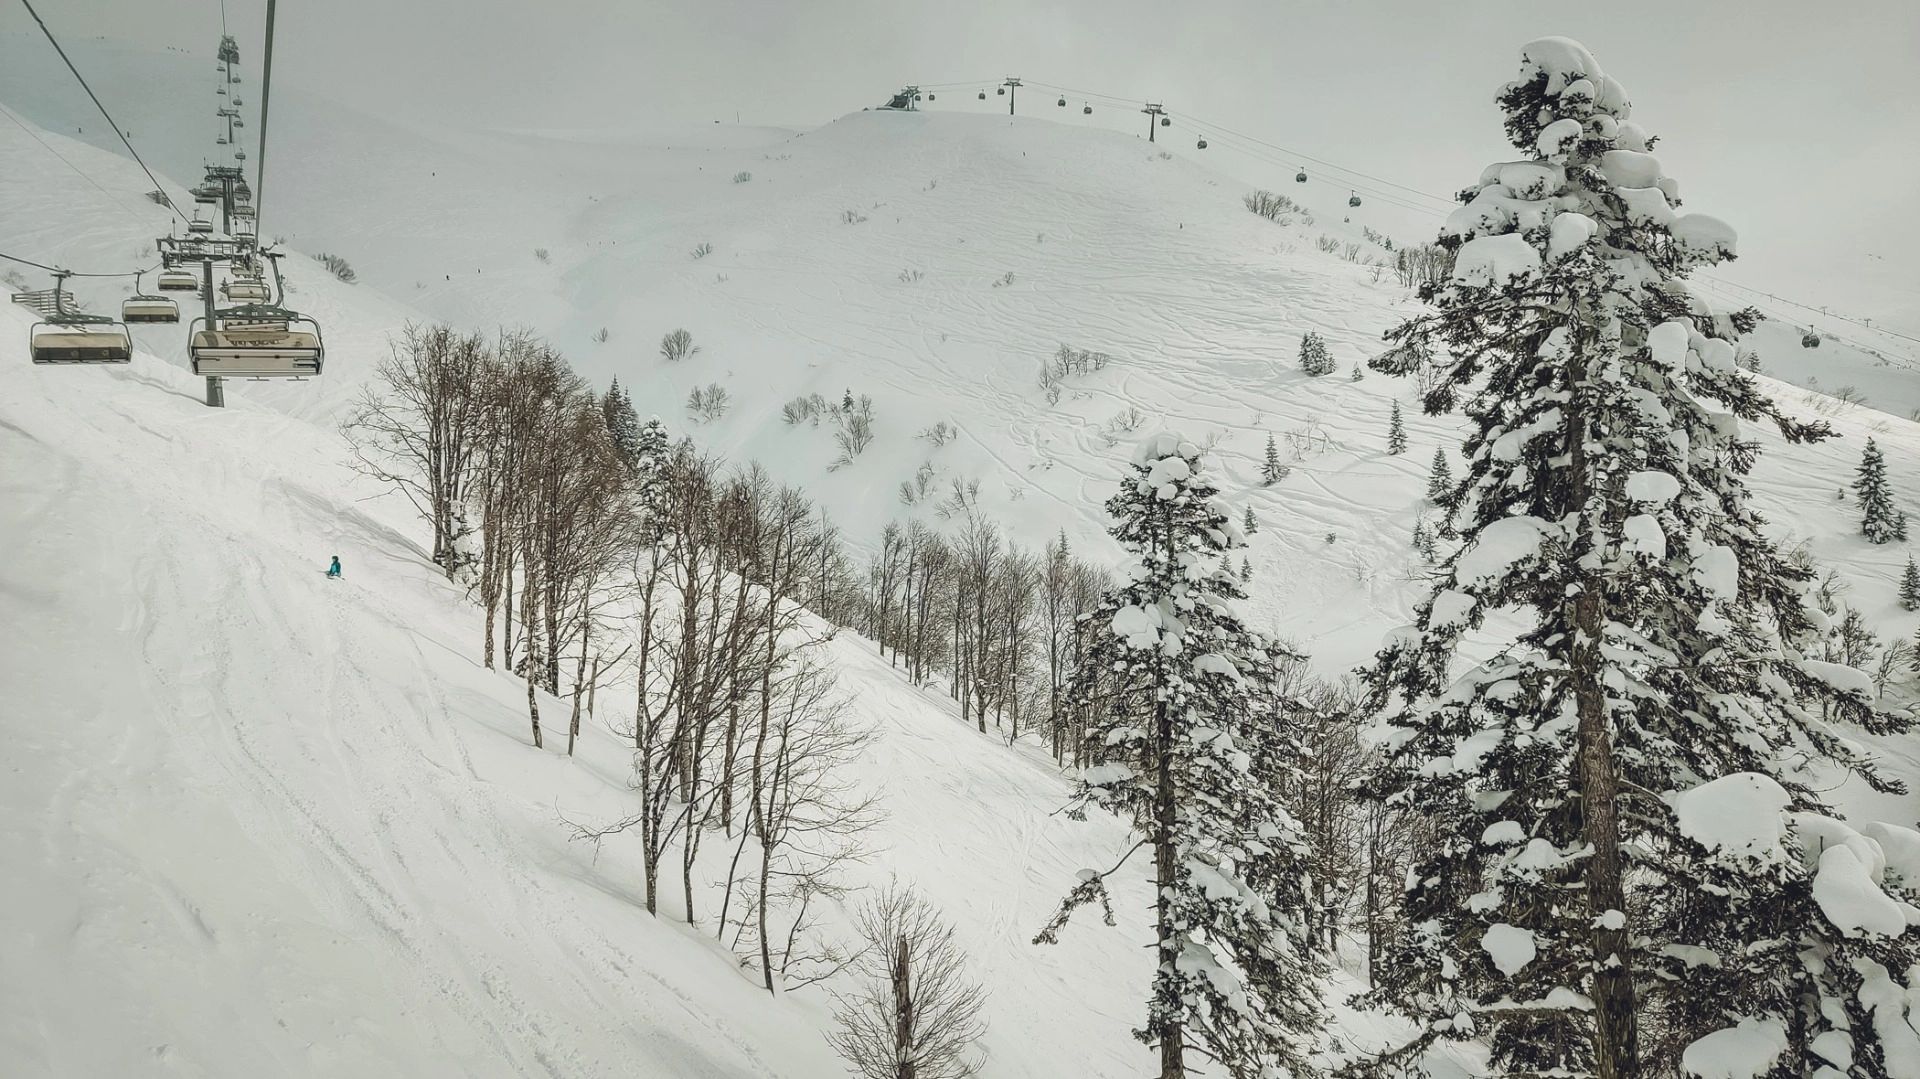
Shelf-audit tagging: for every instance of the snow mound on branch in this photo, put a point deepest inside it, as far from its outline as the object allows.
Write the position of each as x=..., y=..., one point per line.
x=1743, y=814
x=1706, y=237
x=1848, y=891
x=1509, y=946
x=1138, y=626
x=1494, y=260
x=1740, y=1052
x=1562, y=59
x=1501, y=545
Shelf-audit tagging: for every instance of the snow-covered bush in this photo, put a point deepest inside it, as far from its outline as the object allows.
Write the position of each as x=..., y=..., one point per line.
x=742, y=177
x=702, y=250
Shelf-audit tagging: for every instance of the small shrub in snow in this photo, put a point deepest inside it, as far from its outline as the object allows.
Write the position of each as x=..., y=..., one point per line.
x=677, y=345
x=855, y=432
x=337, y=266
x=913, y=491
x=908, y=277
x=1004, y=280
x=1270, y=206
x=1327, y=244
x=701, y=251
x=1351, y=251
x=806, y=409
x=708, y=403
x=742, y=177
x=543, y=255
x=852, y=217
x=940, y=433
x=601, y=337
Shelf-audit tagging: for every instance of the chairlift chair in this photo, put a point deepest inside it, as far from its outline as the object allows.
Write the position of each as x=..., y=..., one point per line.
x=1001, y=90
x=1086, y=110
x=1166, y=121
x=1300, y=177
x=206, y=195
x=220, y=140
x=239, y=155
x=239, y=121
x=1061, y=103
x=256, y=341
x=178, y=281
x=931, y=96
x=65, y=337
x=244, y=291
x=1201, y=145
x=141, y=307
x=1352, y=199
x=983, y=95
x=197, y=227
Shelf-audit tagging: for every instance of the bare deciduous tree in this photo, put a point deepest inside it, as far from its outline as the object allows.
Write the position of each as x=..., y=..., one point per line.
x=916, y=1014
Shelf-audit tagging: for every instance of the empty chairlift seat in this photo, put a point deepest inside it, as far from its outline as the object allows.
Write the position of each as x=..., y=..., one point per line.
x=104, y=341
x=149, y=309
x=248, y=291
x=179, y=281
x=257, y=343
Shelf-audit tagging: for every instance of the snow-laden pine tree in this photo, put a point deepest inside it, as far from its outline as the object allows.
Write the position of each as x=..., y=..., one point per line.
x=1186, y=759
x=1910, y=586
x=1396, y=432
x=1314, y=357
x=1247, y=522
x=1636, y=873
x=1879, y=521
x=1440, y=478
x=1271, y=470
x=623, y=424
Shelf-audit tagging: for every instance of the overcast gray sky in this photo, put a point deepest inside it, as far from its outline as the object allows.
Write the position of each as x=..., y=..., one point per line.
x=1796, y=121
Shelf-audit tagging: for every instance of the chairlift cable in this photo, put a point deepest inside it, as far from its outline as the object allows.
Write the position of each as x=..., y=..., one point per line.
x=266, y=95
x=111, y=122
x=73, y=273
x=82, y=173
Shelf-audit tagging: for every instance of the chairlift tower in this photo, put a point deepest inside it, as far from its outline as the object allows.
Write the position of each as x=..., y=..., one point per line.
x=1154, y=112
x=1013, y=88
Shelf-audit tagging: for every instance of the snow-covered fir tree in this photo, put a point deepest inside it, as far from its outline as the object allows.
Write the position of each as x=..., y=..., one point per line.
x=1440, y=478
x=1879, y=521
x=1247, y=522
x=1636, y=873
x=623, y=424
x=1910, y=586
x=1396, y=432
x=1359, y=372
x=1168, y=679
x=1271, y=470
x=1314, y=357
x=1246, y=569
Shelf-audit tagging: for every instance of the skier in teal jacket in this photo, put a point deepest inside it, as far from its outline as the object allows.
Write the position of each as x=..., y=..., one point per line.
x=334, y=570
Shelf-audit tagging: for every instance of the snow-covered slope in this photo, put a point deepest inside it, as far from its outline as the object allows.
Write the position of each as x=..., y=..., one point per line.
x=272, y=824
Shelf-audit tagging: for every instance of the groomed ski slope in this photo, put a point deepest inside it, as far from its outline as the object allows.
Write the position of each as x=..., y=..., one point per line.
x=273, y=824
